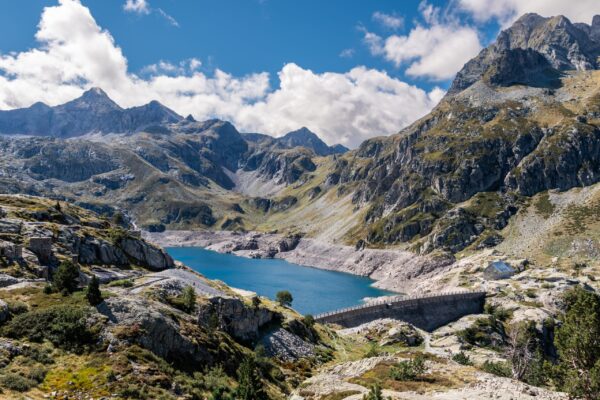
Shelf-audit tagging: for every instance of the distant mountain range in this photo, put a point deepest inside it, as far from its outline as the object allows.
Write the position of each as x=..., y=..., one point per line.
x=521, y=118
x=95, y=112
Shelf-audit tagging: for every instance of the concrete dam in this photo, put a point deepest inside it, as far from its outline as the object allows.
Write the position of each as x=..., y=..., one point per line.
x=426, y=312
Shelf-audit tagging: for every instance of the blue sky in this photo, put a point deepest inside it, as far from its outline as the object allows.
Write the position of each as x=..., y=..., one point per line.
x=348, y=70
x=239, y=36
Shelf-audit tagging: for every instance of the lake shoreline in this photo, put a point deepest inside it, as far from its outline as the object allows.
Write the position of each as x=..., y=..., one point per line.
x=393, y=270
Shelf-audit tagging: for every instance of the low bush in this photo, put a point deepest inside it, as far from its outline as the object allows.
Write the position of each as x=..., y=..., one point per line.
x=462, y=358
x=64, y=325
x=409, y=370
x=497, y=368
x=126, y=283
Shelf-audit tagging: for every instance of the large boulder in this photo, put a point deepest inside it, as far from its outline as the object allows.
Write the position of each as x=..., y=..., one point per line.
x=145, y=254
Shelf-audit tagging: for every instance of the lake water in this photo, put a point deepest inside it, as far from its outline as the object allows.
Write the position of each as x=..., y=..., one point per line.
x=314, y=290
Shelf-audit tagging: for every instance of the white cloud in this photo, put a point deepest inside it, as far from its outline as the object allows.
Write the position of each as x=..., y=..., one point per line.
x=74, y=53
x=137, y=6
x=344, y=108
x=507, y=11
x=436, y=50
x=143, y=7
x=347, y=53
x=169, y=18
x=389, y=21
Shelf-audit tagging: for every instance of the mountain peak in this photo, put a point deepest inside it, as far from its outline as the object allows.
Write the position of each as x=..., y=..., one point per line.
x=94, y=99
x=304, y=137
x=564, y=45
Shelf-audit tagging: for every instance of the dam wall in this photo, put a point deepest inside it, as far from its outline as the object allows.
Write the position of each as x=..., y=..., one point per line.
x=426, y=312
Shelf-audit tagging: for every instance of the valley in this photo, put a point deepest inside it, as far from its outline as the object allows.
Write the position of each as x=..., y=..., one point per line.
x=146, y=255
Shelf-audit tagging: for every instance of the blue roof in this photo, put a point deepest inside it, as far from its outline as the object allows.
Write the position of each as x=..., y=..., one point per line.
x=501, y=266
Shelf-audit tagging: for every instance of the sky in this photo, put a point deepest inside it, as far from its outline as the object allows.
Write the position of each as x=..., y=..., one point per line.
x=346, y=69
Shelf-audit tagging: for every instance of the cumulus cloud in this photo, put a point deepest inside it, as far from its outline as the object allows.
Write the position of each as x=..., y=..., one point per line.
x=388, y=20
x=436, y=49
x=74, y=53
x=137, y=6
x=507, y=11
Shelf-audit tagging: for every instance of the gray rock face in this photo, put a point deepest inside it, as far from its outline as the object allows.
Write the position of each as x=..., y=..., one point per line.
x=155, y=331
x=235, y=318
x=154, y=258
x=564, y=45
x=4, y=312
x=287, y=346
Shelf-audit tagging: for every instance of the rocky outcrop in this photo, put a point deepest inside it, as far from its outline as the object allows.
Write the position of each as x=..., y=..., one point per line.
x=231, y=315
x=564, y=45
x=286, y=346
x=153, y=258
x=144, y=323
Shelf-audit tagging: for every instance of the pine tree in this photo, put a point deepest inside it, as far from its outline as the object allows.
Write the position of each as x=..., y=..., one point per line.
x=578, y=345
x=65, y=277
x=93, y=294
x=189, y=298
x=374, y=393
x=250, y=387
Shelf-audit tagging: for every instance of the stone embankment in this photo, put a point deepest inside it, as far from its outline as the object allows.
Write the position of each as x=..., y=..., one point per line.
x=394, y=270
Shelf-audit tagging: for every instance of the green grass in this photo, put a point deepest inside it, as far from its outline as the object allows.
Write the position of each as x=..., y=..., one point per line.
x=544, y=206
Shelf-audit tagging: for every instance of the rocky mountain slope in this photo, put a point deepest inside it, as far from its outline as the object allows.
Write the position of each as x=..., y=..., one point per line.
x=142, y=338
x=521, y=118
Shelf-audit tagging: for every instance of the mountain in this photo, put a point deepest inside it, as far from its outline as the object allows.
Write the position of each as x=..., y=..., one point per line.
x=93, y=112
x=303, y=137
x=520, y=119
x=565, y=46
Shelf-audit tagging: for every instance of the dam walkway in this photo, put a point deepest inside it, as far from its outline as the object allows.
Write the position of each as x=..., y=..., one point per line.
x=426, y=312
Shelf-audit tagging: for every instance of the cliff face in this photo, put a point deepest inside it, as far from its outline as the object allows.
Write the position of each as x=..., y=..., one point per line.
x=564, y=45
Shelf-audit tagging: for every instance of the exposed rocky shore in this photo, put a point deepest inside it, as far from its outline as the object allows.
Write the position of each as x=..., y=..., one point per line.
x=394, y=270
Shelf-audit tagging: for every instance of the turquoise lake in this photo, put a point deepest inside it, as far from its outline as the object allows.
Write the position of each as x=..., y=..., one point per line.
x=314, y=290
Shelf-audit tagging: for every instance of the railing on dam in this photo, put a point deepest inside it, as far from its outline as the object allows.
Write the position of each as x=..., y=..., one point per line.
x=427, y=310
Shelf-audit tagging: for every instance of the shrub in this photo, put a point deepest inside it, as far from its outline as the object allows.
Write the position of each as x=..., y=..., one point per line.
x=255, y=302
x=65, y=277
x=284, y=298
x=250, y=387
x=578, y=346
x=497, y=368
x=462, y=358
x=373, y=351
x=374, y=393
x=16, y=382
x=189, y=298
x=409, y=370
x=308, y=320
x=93, y=294
x=63, y=325
x=126, y=283
x=16, y=307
